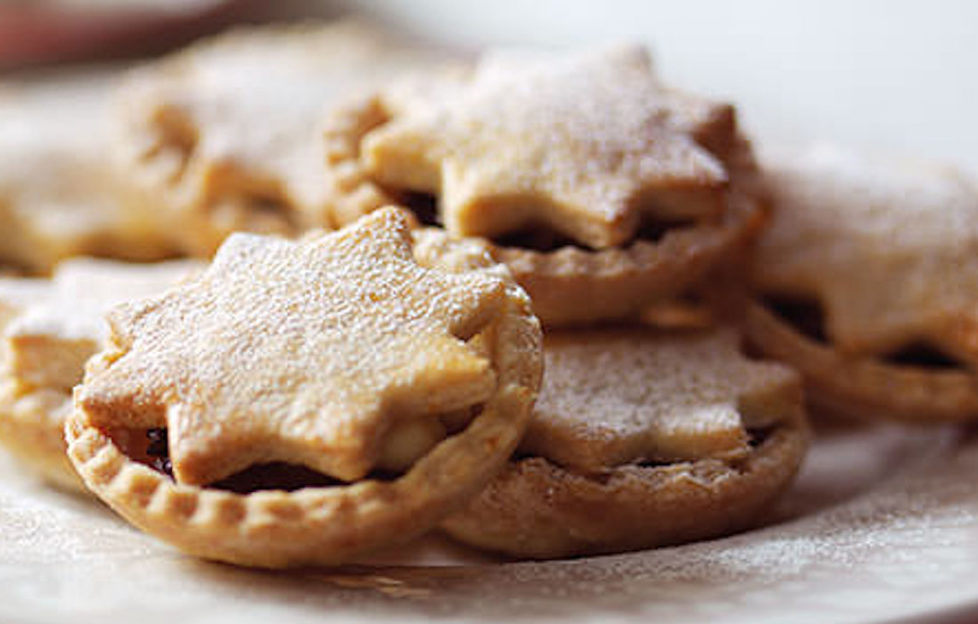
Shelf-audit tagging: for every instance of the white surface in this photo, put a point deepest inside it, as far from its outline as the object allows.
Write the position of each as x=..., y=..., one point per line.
x=880, y=75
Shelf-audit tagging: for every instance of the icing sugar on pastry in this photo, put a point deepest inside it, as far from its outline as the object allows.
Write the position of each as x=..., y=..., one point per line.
x=49, y=328
x=297, y=351
x=226, y=130
x=889, y=247
x=670, y=398
x=642, y=439
x=581, y=143
x=59, y=195
x=301, y=367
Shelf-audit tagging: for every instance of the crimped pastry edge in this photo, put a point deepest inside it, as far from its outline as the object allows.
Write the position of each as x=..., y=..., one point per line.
x=617, y=283
x=537, y=509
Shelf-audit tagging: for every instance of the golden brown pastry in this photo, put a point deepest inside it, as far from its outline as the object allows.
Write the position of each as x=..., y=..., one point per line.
x=306, y=402
x=641, y=439
x=591, y=178
x=60, y=195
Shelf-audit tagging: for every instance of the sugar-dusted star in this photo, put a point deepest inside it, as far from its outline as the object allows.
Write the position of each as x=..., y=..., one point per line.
x=303, y=352
x=889, y=248
x=583, y=144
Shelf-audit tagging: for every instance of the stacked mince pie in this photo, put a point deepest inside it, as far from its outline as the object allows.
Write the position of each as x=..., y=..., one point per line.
x=538, y=301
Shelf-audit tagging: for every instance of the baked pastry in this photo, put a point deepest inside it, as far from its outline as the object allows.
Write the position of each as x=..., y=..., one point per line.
x=227, y=132
x=867, y=283
x=305, y=402
x=641, y=439
x=590, y=177
x=59, y=195
x=48, y=329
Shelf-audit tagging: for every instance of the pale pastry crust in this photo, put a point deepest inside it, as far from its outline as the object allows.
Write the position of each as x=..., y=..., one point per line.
x=49, y=328
x=610, y=463
x=32, y=430
x=308, y=352
x=583, y=143
x=888, y=249
x=225, y=132
x=330, y=525
x=59, y=194
x=618, y=279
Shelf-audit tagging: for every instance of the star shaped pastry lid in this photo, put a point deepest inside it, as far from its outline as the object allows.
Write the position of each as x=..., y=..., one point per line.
x=303, y=352
x=583, y=143
x=621, y=396
x=231, y=125
x=888, y=247
x=642, y=439
x=293, y=363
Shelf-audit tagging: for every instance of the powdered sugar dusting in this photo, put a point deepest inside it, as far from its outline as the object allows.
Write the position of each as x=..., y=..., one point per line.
x=900, y=545
x=571, y=141
x=890, y=246
x=254, y=101
x=59, y=196
x=57, y=324
x=298, y=351
x=618, y=396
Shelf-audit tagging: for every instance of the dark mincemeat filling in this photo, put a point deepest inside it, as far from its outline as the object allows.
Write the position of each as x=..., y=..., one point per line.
x=151, y=447
x=274, y=476
x=544, y=239
x=653, y=230
x=158, y=451
x=922, y=355
x=270, y=476
x=539, y=238
x=423, y=205
x=757, y=436
x=805, y=315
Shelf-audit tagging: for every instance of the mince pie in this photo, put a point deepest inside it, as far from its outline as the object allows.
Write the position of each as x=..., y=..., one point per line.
x=642, y=438
x=600, y=188
x=867, y=283
x=304, y=402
